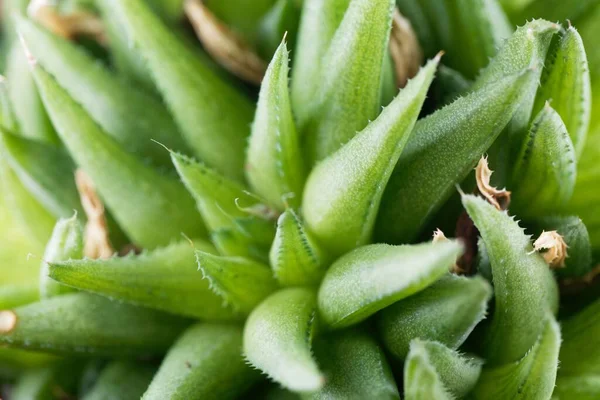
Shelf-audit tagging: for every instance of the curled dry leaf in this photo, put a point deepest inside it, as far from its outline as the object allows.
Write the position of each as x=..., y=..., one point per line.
x=439, y=237
x=68, y=26
x=96, y=241
x=498, y=198
x=8, y=321
x=553, y=248
x=230, y=50
x=404, y=49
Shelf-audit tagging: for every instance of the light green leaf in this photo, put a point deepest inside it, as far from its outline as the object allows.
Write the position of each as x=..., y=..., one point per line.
x=566, y=85
x=212, y=116
x=243, y=16
x=525, y=290
x=348, y=96
x=275, y=167
x=355, y=368
x=131, y=116
x=165, y=279
x=318, y=24
x=241, y=283
x=584, y=387
x=555, y=10
x=278, y=336
x=32, y=119
x=455, y=373
x=580, y=351
x=14, y=362
x=85, y=323
x=532, y=377
x=232, y=242
x=204, y=363
x=441, y=152
x=343, y=192
x=373, y=277
x=446, y=312
x=17, y=295
x=7, y=115
x=66, y=243
x=296, y=257
x=137, y=196
x=545, y=170
x=45, y=170
x=44, y=383
x=121, y=380
x=421, y=380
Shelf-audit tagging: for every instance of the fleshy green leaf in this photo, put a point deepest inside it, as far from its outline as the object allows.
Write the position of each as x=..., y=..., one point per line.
x=205, y=362
x=296, y=257
x=31, y=117
x=274, y=163
x=373, y=277
x=354, y=366
x=319, y=22
x=348, y=96
x=545, y=170
x=584, y=387
x=137, y=196
x=525, y=290
x=446, y=312
x=12, y=296
x=449, y=373
x=532, y=377
x=14, y=362
x=566, y=85
x=554, y=10
x=121, y=380
x=85, y=323
x=580, y=352
x=233, y=243
x=7, y=116
x=212, y=116
x=132, y=117
x=165, y=279
x=442, y=150
x=45, y=383
x=281, y=20
x=243, y=16
x=343, y=192
x=241, y=283
x=278, y=336
x=449, y=85
x=66, y=243
x=45, y=170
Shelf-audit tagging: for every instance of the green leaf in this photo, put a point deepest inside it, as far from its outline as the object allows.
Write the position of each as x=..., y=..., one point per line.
x=275, y=167
x=137, y=196
x=566, y=85
x=205, y=362
x=355, y=368
x=348, y=96
x=121, y=380
x=45, y=383
x=441, y=152
x=343, y=192
x=580, y=351
x=7, y=116
x=451, y=372
x=233, y=243
x=584, y=387
x=431, y=21
x=319, y=22
x=14, y=362
x=131, y=116
x=31, y=117
x=241, y=283
x=212, y=116
x=450, y=85
x=281, y=20
x=85, y=323
x=373, y=277
x=165, y=279
x=296, y=257
x=220, y=200
x=45, y=170
x=17, y=295
x=66, y=243
x=532, y=377
x=575, y=234
x=278, y=336
x=525, y=290
x=244, y=16
x=446, y=312
x=555, y=10
x=546, y=168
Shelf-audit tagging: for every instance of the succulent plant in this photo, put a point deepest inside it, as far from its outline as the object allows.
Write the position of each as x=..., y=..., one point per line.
x=213, y=216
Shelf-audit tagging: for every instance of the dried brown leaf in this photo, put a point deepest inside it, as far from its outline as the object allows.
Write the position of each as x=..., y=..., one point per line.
x=404, y=49
x=439, y=237
x=498, y=198
x=228, y=48
x=552, y=247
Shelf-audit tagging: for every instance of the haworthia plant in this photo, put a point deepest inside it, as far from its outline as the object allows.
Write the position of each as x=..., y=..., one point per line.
x=205, y=362
x=446, y=312
x=277, y=339
x=85, y=323
x=348, y=185
x=373, y=277
x=103, y=159
x=165, y=279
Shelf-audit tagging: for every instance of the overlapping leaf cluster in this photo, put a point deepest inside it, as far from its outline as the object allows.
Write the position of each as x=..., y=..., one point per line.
x=285, y=238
